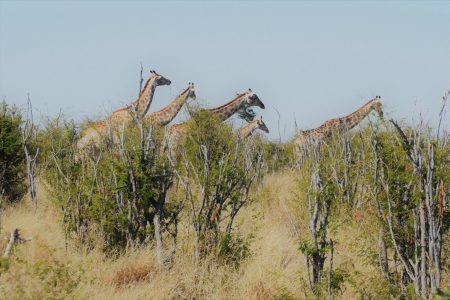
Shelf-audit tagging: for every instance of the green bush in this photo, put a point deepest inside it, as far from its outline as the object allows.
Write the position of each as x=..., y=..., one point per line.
x=110, y=196
x=12, y=156
x=233, y=249
x=44, y=279
x=218, y=170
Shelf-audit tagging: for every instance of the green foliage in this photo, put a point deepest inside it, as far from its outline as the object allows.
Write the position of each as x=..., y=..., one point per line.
x=12, y=156
x=338, y=278
x=308, y=248
x=277, y=156
x=372, y=169
x=44, y=279
x=374, y=286
x=218, y=170
x=110, y=196
x=207, y=130
x=4, y=264
x=443, y=294
x=283, y=294
x=233, y=249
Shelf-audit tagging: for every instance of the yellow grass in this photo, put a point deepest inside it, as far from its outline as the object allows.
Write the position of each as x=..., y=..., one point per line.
x=47, y=266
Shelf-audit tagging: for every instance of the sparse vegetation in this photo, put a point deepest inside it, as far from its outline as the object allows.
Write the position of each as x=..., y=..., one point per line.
x=364, y=216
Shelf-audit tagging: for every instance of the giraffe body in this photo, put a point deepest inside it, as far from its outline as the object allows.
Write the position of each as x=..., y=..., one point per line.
x=342, y=124
x=122, y=117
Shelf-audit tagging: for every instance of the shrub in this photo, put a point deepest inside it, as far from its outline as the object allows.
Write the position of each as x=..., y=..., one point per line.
x=111, y=195
x=218, y=170
x=43, y=279
x=233, y=249
x=12, y=157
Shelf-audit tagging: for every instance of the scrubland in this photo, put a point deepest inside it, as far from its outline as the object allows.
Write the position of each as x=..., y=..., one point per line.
x=51, y=266
x=362, y=215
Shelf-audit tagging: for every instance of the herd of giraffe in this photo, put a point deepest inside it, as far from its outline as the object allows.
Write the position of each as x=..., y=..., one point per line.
x=123, y=117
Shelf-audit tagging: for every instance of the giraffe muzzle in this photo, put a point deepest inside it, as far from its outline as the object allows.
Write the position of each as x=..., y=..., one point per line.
x=260, y=104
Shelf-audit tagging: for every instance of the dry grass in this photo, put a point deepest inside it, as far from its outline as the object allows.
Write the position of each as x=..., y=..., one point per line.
x=133, y=274
x=276, y=268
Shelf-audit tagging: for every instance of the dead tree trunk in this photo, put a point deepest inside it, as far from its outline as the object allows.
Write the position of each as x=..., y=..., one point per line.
x=164, y=185
x=28, y=136
x=14, y=238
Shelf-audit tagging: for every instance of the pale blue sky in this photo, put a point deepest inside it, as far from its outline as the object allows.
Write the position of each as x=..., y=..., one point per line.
x=309, y=60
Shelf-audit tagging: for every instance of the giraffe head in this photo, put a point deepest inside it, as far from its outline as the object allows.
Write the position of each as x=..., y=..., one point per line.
x=191, y=91
x=251, y=99
x=159, y=79
x=377, y=105
x=261, y=125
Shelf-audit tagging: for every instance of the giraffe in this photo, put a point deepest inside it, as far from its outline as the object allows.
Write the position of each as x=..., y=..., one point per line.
x=248, y=129
x=240, y=102
x=168, y=113
x=342, y=124
x=123, y=116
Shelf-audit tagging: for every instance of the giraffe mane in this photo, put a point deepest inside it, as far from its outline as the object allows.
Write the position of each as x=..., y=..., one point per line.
x=185, y=90
x=145, y=86
x=228, y=103
x=364, y=105
x=122, y=108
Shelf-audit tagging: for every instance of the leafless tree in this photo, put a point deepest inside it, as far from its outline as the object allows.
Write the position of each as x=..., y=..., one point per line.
x=28, y=141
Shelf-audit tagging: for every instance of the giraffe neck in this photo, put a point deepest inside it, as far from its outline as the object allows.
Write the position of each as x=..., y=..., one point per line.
x=168, y=113
x=142, y=104
x=248, y=129
x=357, y=116
x=227, y=110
